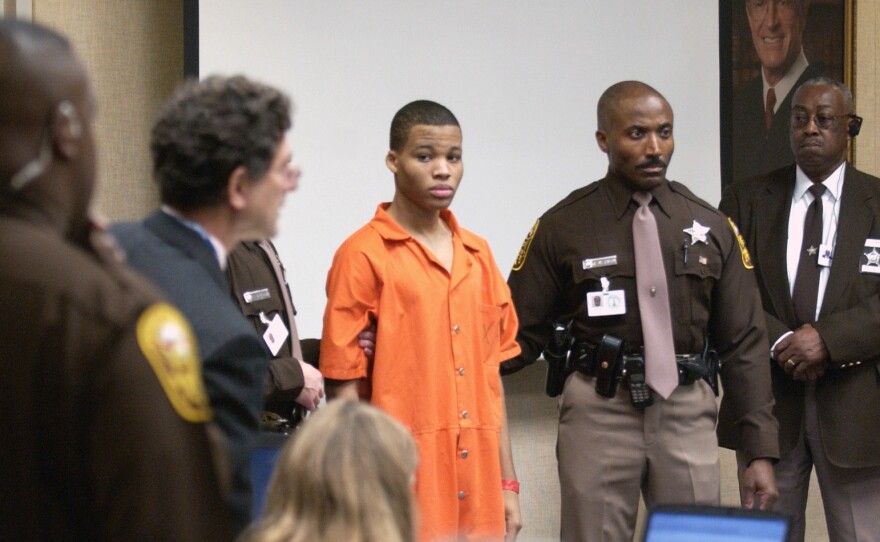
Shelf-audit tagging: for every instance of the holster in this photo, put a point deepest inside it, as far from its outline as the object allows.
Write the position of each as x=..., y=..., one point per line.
x=556, y=354
x=713, y=366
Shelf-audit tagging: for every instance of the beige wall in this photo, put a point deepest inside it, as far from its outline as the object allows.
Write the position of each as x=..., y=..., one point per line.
x=134, y=53
x=866, y=91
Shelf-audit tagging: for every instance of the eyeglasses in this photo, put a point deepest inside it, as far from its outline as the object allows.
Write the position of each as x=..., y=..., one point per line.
x=758, y=8
x=800, y=120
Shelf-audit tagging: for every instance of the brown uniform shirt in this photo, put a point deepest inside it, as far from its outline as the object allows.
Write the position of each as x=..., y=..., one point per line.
x=104, y=433
x=250, y=272
x=588, y=236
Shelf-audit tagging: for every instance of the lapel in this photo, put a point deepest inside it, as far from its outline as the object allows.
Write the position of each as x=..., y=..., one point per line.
x=855, y=218
x=772, y=212
x=176, y=234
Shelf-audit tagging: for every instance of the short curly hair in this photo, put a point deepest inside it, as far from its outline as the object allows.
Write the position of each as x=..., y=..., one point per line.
x=210, y=127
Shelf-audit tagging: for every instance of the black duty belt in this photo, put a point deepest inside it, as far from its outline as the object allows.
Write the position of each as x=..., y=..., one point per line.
x=583, y=358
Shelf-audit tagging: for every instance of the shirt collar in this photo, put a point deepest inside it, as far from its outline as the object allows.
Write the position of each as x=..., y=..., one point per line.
x=833, y=183
x=389, y=229
x=784, y=86
x=621, y=195
x=219, y=250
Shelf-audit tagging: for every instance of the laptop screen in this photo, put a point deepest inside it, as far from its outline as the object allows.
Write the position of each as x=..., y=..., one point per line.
x=714, y=524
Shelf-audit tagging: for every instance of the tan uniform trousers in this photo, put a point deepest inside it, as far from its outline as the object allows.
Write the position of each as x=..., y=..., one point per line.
x=850, y=497
x=609, y=452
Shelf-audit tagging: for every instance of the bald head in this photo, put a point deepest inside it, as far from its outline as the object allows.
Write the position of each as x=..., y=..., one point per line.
x=609, y=102
x=46, y=108
x=635, y=131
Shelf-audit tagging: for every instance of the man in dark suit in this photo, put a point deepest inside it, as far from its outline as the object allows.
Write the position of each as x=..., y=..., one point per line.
x=762, y=107
x=223, y=169
x=813, y=231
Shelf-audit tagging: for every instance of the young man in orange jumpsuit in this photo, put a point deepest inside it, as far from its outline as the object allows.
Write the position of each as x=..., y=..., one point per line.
x=444, y=321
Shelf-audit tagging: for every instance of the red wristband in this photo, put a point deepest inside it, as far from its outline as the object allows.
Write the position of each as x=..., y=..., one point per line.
x=510, y=485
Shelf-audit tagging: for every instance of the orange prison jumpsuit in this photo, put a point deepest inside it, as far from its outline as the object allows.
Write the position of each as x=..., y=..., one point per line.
x=440, y=339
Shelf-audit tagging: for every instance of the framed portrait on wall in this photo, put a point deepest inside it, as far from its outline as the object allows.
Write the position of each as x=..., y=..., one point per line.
x=767, y=49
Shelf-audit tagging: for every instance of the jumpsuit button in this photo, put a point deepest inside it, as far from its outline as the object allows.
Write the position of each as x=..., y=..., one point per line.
x=456, y=329
x=461, y=371
x=460, y=495
x=464, y=454
x=464, y=414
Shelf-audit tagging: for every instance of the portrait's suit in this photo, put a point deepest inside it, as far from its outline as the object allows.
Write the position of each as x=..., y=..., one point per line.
x=235, y=361
x=847, y=397
x=757, y=150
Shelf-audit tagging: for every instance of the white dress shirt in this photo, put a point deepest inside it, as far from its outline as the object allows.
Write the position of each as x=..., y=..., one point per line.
x=801, y=200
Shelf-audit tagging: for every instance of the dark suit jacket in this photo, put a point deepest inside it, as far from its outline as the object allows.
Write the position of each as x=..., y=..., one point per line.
x=234, y=359
x=757, y=150
x=848, y=396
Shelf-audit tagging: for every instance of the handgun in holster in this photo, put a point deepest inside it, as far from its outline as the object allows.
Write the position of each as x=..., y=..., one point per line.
x=713, y=366
x=556, y=354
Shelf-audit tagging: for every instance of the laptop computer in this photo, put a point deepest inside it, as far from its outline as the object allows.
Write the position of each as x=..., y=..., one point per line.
x=715, y=524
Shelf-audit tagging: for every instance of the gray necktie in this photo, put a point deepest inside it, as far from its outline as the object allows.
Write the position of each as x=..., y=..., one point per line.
x=661, y=371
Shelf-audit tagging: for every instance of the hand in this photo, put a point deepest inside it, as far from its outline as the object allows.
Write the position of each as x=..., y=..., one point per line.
x=803, y=354
x=367, y=340
x=512, y=516
x=313, y=390
x=758, y=481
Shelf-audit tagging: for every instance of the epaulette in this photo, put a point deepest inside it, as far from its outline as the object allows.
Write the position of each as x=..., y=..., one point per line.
x=685, y=192
x=573, y=197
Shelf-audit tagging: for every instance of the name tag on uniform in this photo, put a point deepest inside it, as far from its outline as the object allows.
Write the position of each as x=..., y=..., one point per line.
x=606, y=302
x=870, y=261
x=275, y=334
x=256, y=295
x=604, y=261
x=826, y=254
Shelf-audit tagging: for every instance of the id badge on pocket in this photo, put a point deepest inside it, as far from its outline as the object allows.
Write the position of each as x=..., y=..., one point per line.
x=606, y=302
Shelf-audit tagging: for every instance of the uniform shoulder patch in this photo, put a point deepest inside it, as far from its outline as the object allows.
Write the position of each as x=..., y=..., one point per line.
x=167, y=341
x=744, y=252
x=524, y=249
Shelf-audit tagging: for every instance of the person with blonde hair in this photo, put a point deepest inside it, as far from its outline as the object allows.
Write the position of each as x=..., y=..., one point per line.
x=347, y=474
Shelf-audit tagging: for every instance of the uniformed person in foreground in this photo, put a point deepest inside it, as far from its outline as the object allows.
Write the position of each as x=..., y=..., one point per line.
x=104, y=413
x=624, y=429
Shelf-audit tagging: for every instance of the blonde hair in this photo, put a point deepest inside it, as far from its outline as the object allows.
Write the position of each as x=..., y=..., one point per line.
x=345, y=475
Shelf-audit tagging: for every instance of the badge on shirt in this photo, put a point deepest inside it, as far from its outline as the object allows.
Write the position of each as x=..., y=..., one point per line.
x=167, y=341
x=870, y=260
x=276, y=332
x=825, y=255
x=607, y=302
x=256, y=295
x=697, y=232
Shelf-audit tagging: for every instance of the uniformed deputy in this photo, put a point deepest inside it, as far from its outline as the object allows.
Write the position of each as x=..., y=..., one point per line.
x=578, y=265
x=104, y=426
x=258, y=285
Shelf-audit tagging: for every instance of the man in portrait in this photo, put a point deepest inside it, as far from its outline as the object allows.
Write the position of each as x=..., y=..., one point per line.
x=762, y=107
